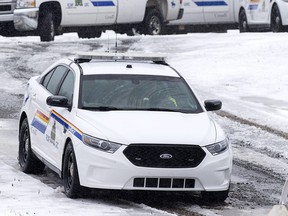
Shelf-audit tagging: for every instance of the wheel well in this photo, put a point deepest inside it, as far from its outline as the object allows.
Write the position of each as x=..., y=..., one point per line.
x=55, y=8
x=240, y=10
x=64, y=149
x=160, y=5
x=23, y=116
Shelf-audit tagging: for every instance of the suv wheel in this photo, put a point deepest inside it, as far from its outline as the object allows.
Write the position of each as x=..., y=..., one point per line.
x=47, y=27
x=28, y=162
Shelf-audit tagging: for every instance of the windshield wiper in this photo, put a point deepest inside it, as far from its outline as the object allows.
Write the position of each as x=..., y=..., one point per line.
x=101, y=108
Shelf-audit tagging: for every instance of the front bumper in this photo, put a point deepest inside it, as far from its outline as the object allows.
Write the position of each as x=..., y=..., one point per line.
x=26, y=19
x=6, y=17
x=114, y=171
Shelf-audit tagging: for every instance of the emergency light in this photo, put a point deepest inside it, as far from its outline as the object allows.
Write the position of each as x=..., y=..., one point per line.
x=86, y=57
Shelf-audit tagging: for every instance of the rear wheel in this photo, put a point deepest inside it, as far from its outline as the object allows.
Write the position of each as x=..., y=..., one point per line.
x=214, y=196
x=153, y=22
x=70, y=173
x=28, y=162
x=47, y=27
x=276, y=21
x=243, y=24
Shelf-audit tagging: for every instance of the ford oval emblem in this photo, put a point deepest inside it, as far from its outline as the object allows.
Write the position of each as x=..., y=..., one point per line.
x=166, y=156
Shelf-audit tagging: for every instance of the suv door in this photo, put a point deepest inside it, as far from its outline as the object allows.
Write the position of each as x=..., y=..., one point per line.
x=218, y=11
x=107, y=11
x=48, y=86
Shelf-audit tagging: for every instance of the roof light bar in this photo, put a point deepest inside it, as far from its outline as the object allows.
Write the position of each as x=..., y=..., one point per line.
x=121, y=56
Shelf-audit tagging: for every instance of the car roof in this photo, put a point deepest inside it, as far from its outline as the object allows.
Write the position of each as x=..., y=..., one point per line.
x=127, y=67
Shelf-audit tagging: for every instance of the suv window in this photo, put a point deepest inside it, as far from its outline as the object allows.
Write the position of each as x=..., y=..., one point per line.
x=47, y=78
x=55, y=79
x=67, y=86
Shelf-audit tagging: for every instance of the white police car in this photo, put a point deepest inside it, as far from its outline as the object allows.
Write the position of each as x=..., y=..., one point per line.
x=120, y=121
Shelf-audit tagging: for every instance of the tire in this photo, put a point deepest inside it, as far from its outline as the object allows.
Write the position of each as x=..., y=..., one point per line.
x=153, y=22
x=214, y=196
x=72, y=186
x=243, y=23
x=276, y=21
x=47, y=27
x=28, y=162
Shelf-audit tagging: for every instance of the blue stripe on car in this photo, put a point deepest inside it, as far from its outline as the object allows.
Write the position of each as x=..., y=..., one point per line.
x=102, y=3
x=210, y=3
x=67, y=126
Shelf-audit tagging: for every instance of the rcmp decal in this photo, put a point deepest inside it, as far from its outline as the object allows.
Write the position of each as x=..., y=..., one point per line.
x=67, y=125
x=52, y=138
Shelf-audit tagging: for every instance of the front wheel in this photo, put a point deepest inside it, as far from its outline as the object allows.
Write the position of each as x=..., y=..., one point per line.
x=47, y=27
x=276, y=21
x=70, y=173
x=243, y=23
x=214, y=196
x=153, y=22
x=28, y=162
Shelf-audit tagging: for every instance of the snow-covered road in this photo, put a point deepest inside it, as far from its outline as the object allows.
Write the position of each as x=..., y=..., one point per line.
x=246, y=71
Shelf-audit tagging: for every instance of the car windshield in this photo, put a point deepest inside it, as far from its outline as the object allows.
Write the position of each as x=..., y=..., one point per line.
x=134, y=92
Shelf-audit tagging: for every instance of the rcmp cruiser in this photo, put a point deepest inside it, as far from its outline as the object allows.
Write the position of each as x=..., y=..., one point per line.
x=122, y=121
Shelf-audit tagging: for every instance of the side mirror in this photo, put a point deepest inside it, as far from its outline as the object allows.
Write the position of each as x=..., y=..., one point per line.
x=58, y=101
x=212, y=105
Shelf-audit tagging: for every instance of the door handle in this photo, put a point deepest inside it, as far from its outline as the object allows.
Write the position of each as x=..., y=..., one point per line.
x=34, y=96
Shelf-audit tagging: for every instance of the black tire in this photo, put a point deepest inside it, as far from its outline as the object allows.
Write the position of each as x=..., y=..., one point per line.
x=243, y=23
x=153, y=22
x=214, y=196
x=72, y=186
x=47, y=27
x=28, y=162
x=276, y=21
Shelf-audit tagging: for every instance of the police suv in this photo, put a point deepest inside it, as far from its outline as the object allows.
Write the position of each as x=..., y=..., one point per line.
x=126, y=122
x=90, y=17
x=267, y=14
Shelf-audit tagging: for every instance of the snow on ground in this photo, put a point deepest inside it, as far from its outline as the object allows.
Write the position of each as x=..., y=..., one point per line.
x=247, y=71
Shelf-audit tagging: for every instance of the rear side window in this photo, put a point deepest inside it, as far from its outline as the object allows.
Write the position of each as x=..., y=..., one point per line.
x=55, y=79
x=67, y=86
x=47, y=78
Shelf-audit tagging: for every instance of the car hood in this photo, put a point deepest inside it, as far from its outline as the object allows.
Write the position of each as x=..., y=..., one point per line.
x=128, y=127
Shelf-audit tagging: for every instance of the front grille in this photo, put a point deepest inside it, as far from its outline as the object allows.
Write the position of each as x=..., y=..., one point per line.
x=164, y=156
x=5, y=8
x=176, y=183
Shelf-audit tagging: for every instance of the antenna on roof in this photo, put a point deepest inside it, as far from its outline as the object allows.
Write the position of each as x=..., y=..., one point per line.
x=116, y=43
x=108, y=44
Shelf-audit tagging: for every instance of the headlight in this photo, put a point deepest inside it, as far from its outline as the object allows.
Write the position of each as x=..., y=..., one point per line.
x=26, y=4
x=100, y=144
x=218, y=148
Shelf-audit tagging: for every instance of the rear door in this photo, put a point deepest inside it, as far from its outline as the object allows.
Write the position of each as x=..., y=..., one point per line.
x=218, y=11
x=107, y=11
x=41, y=122
x=193, y=12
